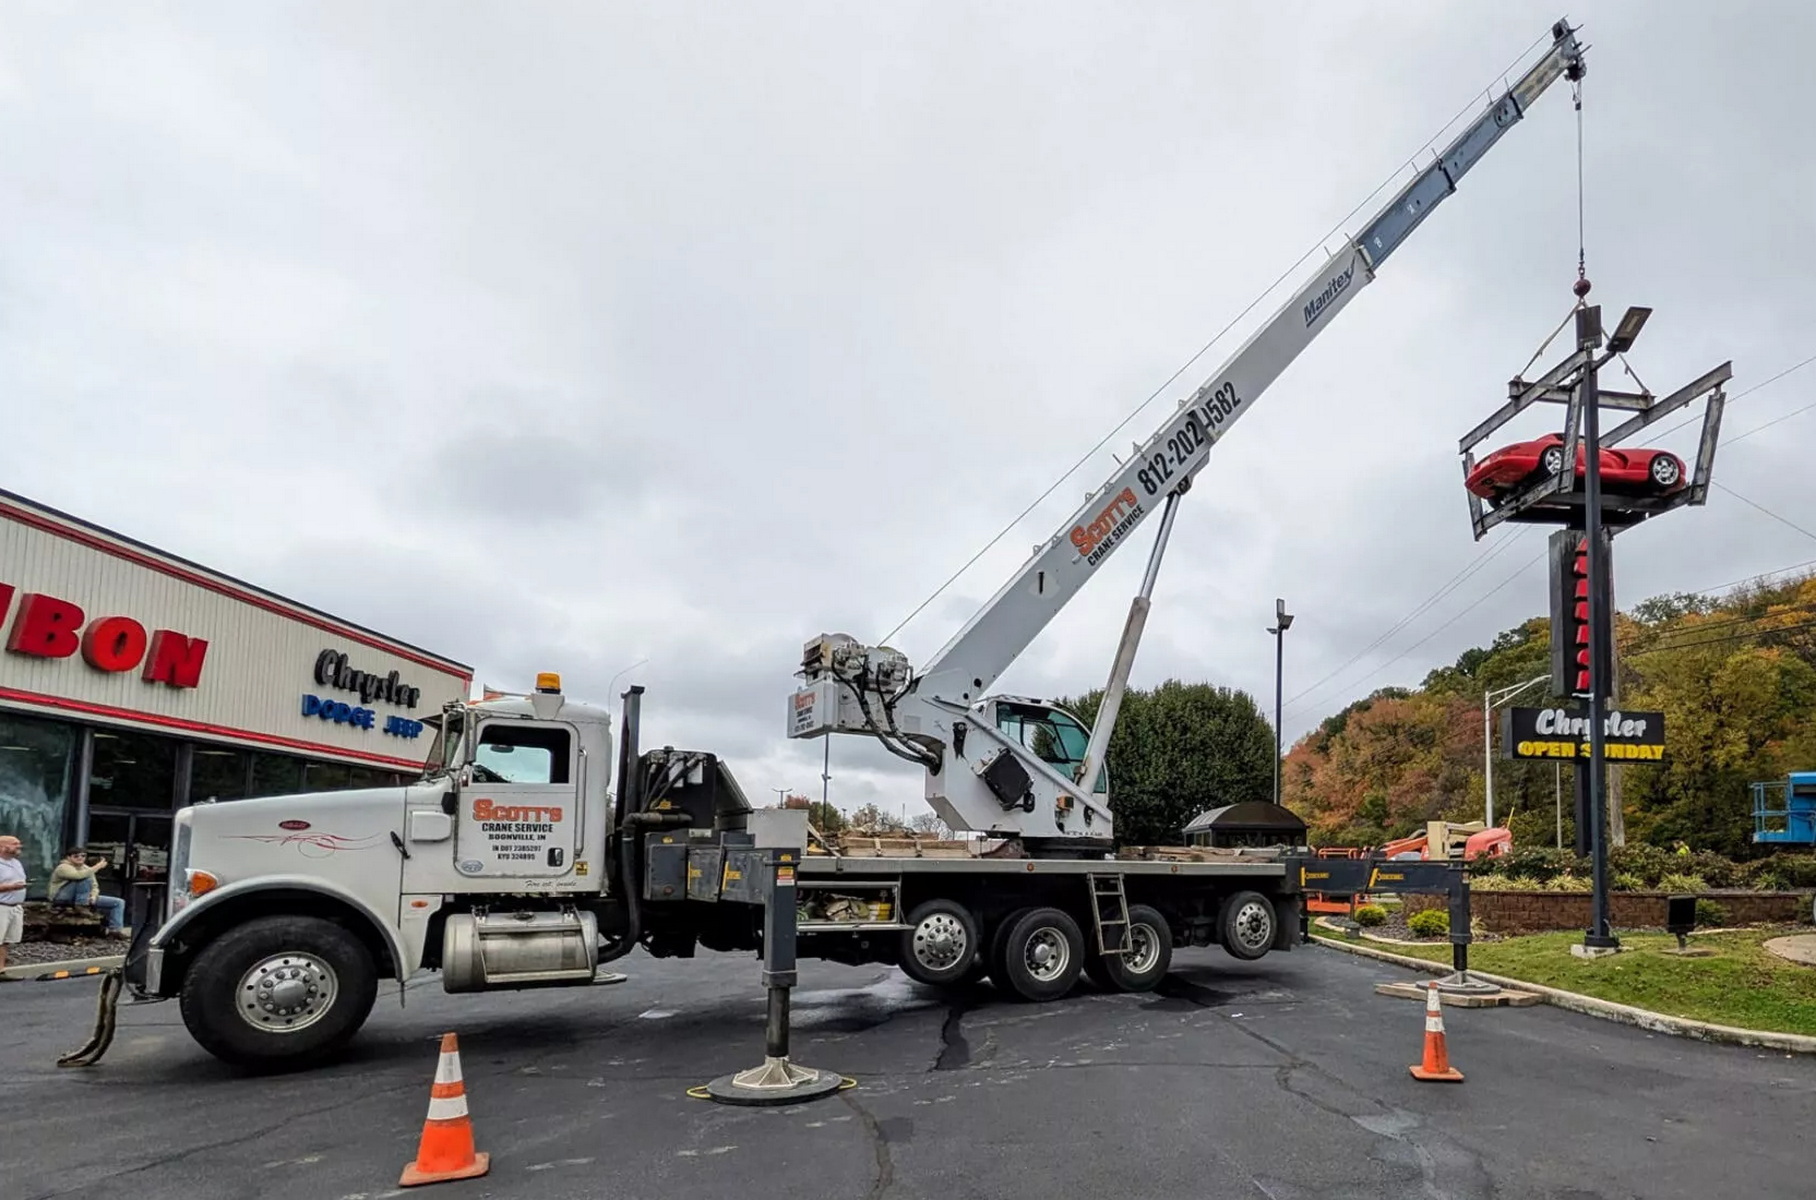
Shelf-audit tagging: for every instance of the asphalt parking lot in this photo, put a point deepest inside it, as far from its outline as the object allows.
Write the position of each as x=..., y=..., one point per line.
x=1280, y=1080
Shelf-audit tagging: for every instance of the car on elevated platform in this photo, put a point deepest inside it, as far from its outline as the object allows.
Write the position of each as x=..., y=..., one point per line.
x=1643, y=472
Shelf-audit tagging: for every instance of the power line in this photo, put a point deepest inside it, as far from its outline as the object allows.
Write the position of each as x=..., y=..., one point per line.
x=1748, y=392
x=1759, y=578
x=1477, y=602
x=1768, y=512
x=1469, y=569
x=1729, y=622
x=1731, y=637
x=1469, y=106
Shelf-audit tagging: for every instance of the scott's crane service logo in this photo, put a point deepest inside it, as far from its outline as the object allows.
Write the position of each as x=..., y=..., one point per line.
x=1118, y=517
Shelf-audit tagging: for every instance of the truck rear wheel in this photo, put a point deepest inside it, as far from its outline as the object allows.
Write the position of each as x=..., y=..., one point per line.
x=279, y=991
x=1247, y=925
x=1149, y=958
x=941, y=944
x=1040, y=954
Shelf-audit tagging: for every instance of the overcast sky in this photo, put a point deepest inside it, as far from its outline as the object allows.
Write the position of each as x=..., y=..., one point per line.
x=562, y=336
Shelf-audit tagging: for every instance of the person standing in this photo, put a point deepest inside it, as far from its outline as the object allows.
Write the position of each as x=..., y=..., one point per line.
x=73, y=883
x=12, y=895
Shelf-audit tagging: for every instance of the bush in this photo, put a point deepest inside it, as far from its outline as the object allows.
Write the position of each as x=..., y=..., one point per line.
x=1715, y=870
x=1781, y=872
x=1497, y=884
x=1709, y=914
x=1433, y=922
x=1570, y=883
x=1535, y=863
x=1683, y=883
x=1643, y=861
x=1623, y=882
x=1370, y=915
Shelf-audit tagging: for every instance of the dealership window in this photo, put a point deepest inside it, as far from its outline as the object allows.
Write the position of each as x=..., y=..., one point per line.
x=326, y=777
x=372, y=777
x=133, y=770
x=37, y=763
x=218, y=774
x=275, y=775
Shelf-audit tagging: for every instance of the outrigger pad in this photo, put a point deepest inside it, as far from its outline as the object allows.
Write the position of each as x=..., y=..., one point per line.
x=777, y=1081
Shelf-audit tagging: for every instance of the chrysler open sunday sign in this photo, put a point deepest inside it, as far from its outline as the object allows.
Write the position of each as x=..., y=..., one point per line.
x=1564, y=733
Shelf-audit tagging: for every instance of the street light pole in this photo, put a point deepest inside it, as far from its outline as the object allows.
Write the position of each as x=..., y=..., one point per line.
x=1283, y=621
x=1489, y=700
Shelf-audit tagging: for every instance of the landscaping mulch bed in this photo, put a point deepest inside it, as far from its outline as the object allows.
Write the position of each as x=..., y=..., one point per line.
x=81, y=947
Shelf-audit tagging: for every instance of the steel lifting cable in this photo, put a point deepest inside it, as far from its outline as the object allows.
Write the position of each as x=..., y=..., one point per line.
x=1205, y=349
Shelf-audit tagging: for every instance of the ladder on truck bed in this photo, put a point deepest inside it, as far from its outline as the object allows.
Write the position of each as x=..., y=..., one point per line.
x=1113, y=923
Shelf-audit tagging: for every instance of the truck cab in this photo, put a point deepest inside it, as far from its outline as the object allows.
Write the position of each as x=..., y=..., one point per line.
x=286, y=912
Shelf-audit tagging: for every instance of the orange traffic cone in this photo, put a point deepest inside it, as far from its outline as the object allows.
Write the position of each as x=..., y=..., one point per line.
x=1436, y=1067
x=446, y=1150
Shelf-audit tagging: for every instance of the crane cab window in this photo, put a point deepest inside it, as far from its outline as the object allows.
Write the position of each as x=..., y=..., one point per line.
x=1051, y=735
x=522, y=754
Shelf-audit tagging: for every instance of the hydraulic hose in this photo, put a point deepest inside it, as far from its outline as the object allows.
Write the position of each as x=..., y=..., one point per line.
x=627, y=877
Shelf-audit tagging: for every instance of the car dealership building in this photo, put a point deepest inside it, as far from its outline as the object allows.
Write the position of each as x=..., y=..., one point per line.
x=133, y=682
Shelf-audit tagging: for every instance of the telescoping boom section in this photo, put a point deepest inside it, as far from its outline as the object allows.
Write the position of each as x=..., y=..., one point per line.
x=1018, y=767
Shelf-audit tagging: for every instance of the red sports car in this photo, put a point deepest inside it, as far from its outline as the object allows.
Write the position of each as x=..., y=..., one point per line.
x=1512, y=467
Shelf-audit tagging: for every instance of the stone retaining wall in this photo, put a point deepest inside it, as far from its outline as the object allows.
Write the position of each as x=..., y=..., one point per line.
x=1539, y=912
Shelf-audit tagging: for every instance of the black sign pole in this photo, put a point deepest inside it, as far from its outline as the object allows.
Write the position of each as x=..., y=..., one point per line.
x=1589, y=337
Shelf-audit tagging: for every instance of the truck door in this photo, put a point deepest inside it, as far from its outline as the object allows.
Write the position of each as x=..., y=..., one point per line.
x=520, y=816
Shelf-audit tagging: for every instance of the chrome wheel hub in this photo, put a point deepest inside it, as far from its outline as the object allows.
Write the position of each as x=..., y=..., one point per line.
x=1144, y=950
x=939, y=941
x=1253, y=928
x=286, y=993
x=1047, y=955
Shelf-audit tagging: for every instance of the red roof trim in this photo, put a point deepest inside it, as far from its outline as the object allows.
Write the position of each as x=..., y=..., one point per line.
x=245, y=596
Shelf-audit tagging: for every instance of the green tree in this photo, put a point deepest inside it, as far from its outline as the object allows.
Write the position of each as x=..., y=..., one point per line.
x=824, y=817
x=1179, y=749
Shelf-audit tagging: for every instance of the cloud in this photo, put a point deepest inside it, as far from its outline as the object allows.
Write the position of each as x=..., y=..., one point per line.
x=563, y=338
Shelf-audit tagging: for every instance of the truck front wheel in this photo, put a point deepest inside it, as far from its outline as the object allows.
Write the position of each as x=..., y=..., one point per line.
x=279, y=992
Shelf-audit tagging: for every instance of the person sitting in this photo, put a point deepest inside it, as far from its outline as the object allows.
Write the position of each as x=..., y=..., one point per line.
x=73, y=882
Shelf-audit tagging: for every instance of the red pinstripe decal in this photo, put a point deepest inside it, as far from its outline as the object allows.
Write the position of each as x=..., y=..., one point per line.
x=188, y=726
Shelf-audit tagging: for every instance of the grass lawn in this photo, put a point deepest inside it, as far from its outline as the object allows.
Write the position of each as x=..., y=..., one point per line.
x=1740, y=985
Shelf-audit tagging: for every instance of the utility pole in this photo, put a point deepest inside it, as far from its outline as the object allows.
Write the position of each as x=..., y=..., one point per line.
x=1283, y=621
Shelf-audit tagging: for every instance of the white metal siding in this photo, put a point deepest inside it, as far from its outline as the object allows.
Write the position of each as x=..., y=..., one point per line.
x=259, y=663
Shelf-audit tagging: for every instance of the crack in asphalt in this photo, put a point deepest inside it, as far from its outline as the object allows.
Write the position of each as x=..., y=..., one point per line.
x=955, y=1048
x=1447, y=1169
x=879, y=1143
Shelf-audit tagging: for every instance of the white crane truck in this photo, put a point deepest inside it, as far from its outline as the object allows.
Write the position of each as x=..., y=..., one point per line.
x=513, y=863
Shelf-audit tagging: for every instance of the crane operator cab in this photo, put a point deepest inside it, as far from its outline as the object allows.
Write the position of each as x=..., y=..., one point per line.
x=1050, y=733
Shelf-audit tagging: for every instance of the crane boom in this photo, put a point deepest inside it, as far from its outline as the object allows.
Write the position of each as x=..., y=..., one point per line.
x=973, y=659
x=1023, y=787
